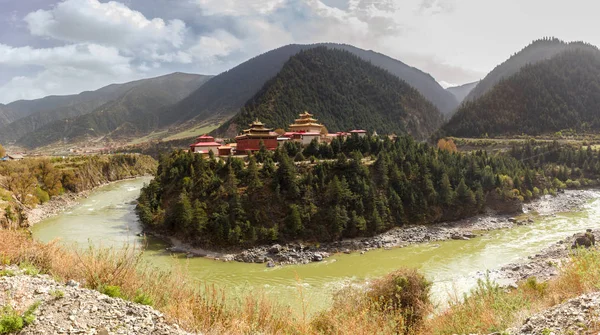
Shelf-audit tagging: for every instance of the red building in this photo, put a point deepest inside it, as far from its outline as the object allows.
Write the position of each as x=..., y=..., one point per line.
x=250, y=139
x=204, y=144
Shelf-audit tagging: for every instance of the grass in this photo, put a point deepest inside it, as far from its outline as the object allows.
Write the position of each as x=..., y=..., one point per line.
x=395, y=304
x=490, y=308
x=196, y=131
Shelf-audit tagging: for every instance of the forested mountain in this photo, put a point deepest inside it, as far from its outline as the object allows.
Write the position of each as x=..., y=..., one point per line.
x=423, y=82
x=132, y=113
x=344, y=92
x=537, y=51
x=87, y=102
x=225, y=94
x=560, y=93
x=461, y=92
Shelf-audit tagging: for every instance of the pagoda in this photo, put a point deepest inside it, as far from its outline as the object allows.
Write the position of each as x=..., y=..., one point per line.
x=204, y=144
x=250, y=139
x=306, y=124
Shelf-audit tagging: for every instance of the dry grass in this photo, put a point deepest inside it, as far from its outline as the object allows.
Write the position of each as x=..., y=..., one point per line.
x=194, y=307
x=490, y=308
x=396, y=304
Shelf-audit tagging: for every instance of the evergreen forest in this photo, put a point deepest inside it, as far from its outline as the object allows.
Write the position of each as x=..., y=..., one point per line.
x=354, y=187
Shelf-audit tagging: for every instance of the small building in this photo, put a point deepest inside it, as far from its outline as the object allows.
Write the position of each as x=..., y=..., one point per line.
x=225, y=150
x=204, y=144
x=359, y=132
x=306, y=123
x=250, y=139
x=12, y=157
x=302, y=136
x=339, y=135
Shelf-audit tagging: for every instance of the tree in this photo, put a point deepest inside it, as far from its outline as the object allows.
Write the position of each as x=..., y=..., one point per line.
x=293, y=222
x=252, y=178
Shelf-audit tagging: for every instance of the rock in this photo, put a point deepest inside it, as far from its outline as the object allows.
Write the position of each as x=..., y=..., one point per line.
x=79, y=310
x=512, y=220
x=584, y=240
x=270, y=264
x=317, y=257
x=275, y=249
x=347, y=251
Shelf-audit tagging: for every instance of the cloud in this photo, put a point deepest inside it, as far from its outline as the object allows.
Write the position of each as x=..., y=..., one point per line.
x=84, y=56
x=110, y=24
x=111, y=41
x=238, y=8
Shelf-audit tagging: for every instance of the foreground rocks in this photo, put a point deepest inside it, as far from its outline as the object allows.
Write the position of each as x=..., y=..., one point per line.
x=545, y=264
x=68, y=309
x=299, y=253
x=575, y=316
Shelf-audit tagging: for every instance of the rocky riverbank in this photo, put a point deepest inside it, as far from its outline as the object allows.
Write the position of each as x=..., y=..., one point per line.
x=54, y=207
x=60, y=204
x=575, y=316
x=303, y=253
x=68, y=309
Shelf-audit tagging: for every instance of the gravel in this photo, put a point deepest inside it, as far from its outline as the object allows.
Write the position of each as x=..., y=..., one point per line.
x=69, y=309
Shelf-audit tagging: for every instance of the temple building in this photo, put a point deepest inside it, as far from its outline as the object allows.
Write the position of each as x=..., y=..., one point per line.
x=204, y=144
x=306, y=124
x=250, y=139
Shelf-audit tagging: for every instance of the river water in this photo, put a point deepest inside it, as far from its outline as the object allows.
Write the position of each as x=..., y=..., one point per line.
x=107, y=219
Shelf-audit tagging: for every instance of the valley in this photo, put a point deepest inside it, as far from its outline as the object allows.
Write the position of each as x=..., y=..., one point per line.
x=312, y=189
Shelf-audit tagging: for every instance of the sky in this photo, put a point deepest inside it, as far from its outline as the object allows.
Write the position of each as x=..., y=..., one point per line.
x=55, y=47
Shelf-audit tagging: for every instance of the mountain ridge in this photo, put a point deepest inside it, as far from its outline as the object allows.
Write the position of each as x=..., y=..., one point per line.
x=344, y=92
x=560, y=93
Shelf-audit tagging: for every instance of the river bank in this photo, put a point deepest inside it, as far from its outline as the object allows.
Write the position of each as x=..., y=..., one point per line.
x=62, y=203
x=303, y=253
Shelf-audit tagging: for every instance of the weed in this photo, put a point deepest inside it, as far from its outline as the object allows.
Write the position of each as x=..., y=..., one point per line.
x=142, y=298
x=57, y=294
x=11, y=321
x=29, y=269
x=111, y=291
x=6, y=273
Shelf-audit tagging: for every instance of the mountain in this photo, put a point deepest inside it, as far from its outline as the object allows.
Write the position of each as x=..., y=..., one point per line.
x=344, y=92
x=133, y=113
x=537, y=51
x=560, y=93
x=69, y=107
x=225, y=94
x=461, y=92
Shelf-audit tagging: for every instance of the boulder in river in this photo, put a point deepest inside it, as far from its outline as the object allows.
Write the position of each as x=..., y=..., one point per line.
x=584, y=240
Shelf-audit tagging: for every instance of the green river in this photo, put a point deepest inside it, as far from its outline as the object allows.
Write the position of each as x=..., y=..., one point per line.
x=107, y=218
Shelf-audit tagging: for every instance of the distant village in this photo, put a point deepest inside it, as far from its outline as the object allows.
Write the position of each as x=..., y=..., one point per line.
x=304, y=130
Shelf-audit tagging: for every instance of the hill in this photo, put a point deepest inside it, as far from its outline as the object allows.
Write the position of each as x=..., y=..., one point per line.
x=344, y=92
x=73, y=106
x=133, y=113
x=560, y=93
x=225, y=94
x=461, y=92
x=538, y=50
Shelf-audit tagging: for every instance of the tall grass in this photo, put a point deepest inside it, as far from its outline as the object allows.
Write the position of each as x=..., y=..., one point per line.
x=395, y=304
x=490, y=308
x=194, y=306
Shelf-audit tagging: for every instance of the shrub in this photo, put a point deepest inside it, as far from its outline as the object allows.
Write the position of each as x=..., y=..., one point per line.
x=57, y=294
x=111, y=291
x=405, y=291
x=12, y=322
x=142, y=298
x=42, y=195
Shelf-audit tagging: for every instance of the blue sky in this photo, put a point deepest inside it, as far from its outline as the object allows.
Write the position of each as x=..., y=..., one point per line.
x=65, y=47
